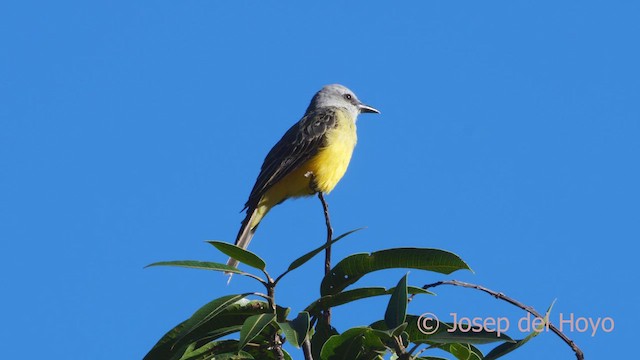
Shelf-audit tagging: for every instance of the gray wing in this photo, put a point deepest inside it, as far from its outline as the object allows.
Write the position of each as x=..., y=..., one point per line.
x=301, y=142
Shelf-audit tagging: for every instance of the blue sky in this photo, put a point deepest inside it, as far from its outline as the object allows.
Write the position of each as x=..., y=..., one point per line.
x=130, y=132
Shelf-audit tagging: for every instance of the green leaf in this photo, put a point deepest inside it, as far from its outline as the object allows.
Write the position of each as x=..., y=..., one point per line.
x=397, y=307
x=397, y=331
x=506, y=348
x=287, y=356
x=217, y=355
x=242, y=355
x=225, y=349
x=296, y=330
x=462, y=351
x=481, y=336
x=266, y=353
x=218, y=332
x=308, y=256
x=163, y=348
x=253, y=326
x=176, y=340
x=360, y=343
x=282, y=313
x=323, y=331
x=445, y=333
x=413, y=290
x=240, y=254
x=348, y=296
x=204, y=265
x=353, y=267
x=226, y=322
x=208, y=312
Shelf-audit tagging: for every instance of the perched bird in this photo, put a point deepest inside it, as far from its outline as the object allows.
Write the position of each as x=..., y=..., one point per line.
x=311, y=157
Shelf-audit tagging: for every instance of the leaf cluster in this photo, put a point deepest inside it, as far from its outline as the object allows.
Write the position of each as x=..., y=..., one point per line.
x=260, y=324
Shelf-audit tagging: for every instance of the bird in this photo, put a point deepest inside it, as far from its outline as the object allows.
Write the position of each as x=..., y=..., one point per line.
x=311, y=157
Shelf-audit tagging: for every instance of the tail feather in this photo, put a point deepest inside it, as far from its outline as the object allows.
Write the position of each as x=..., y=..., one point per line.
x=244, y=235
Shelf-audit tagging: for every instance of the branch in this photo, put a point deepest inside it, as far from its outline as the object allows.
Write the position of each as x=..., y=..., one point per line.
x=501, y=296
x=306, y=349
x=400, y=350
x=277, y=340
x=327, y=251
x=277, y=348
x=327, y=257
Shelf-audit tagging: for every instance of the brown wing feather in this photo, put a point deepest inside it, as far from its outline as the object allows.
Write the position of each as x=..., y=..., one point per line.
x=301, y=142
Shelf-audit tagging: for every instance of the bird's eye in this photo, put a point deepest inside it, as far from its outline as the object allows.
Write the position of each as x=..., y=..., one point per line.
x=348, y=96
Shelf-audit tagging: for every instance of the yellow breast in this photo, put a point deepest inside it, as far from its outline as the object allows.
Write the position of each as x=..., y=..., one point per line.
x=331, y=162
x=327, y=166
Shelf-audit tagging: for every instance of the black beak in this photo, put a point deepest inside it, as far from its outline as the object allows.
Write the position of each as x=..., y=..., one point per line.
x=367, y=109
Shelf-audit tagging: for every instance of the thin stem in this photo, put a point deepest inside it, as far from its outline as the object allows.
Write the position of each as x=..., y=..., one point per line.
x=306, y=350
x=413, y=349
x=327, y=257
x=529, y=309
x=400, y=349
x=327, y=251
x=264, y=296
x=277, y=348
x=266, y=274
x=277, y=341
x=271, y=295
x=247, y=275
x=421, y=350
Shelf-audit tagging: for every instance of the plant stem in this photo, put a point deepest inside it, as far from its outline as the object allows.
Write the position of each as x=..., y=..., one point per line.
x=400, y=350
x=277, y=341
x=327, y=256
x=327, y=251
x=529, y=309
x=306, y=350
x=271, y=293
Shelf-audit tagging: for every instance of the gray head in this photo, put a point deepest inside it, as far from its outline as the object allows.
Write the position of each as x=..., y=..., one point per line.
x=336, y=95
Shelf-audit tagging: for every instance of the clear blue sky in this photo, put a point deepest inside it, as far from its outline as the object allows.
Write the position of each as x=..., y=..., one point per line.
x=130, y=132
